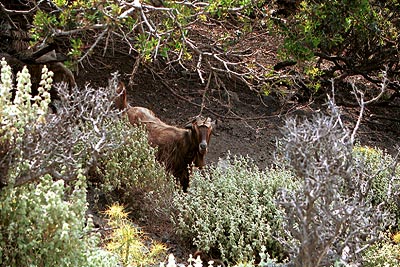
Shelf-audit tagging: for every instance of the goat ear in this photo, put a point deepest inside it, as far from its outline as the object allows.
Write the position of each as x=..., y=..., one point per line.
x=189, y=125
x=120, y=98
x=214, y=127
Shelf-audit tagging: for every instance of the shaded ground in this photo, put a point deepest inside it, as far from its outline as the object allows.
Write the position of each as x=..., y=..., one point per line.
x=180, y=99
x=247, y=123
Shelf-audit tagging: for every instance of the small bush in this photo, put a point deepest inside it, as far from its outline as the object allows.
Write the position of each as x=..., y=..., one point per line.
x=18, y=115
x=377, y=166
x=129, y=243
x=232, y=209
x=132, y=170
x=34, y=143
x=22, y=109
x=42, y=220
x=133, y=163
x=41, y=224
x=385, y=253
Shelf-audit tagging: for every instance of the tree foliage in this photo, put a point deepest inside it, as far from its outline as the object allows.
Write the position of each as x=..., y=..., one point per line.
x=175, y=33
x=346, y=38
x=334, y=39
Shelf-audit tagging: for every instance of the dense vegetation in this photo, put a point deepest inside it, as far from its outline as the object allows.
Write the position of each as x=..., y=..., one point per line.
x=339, y=39
x=326, y=201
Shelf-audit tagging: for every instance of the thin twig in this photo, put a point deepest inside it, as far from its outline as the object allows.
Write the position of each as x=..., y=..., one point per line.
x=236, y=117
x=19, y=12
x=134, y=69
x=93, y=45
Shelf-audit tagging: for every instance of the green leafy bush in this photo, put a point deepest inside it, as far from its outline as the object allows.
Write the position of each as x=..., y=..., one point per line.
x=132, y=170
x=133, y=163
x=43, y=224
x=222, y=8
x=375, y=165
x=232, y=209
x=331, y=27
x=384, y=253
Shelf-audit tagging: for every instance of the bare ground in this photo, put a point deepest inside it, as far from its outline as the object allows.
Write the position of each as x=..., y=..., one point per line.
x=247, y=123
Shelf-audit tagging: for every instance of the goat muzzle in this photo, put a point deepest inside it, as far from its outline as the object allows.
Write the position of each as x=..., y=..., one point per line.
x=203, y=148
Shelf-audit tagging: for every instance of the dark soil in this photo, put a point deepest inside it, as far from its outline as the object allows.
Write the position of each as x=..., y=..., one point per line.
x=247, y=123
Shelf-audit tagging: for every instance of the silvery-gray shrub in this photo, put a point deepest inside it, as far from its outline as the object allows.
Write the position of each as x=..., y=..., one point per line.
x=57, y=144
x=332, y=217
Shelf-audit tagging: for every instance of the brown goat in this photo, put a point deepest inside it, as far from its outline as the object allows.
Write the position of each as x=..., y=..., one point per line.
x=177, y=148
